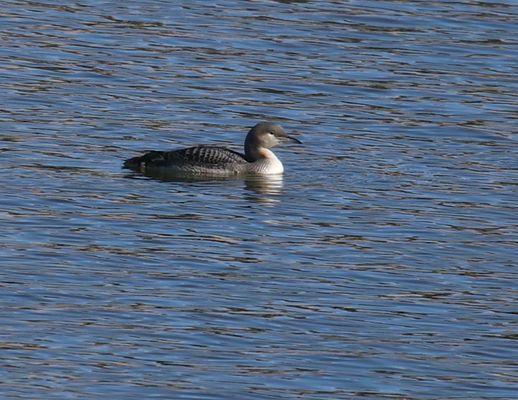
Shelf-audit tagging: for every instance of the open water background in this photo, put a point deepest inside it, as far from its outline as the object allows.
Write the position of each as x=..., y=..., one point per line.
x=381, y=266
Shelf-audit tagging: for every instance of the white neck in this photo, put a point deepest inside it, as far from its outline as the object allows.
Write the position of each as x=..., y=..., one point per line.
x=268, y=163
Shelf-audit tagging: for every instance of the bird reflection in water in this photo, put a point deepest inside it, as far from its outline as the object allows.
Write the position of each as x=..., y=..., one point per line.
x=265, y=188
x=258, y=188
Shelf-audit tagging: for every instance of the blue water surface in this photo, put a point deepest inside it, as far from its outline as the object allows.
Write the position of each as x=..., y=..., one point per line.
x=381, y=265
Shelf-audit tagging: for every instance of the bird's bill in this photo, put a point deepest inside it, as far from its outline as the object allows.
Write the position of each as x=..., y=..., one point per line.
x=294, y=139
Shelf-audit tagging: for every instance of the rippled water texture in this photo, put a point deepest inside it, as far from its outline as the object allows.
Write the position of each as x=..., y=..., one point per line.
x=382, y=265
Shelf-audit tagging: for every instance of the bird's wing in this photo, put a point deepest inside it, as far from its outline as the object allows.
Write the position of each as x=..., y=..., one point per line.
x=198, y=155
x=206, y=155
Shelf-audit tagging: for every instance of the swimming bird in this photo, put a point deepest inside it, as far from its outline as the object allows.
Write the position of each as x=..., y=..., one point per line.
x=217, y=160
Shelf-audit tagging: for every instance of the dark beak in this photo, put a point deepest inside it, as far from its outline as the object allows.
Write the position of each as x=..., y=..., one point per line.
x=294, y=139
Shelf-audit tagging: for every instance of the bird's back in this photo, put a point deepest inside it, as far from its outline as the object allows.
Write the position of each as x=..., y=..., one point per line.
x=198, y=159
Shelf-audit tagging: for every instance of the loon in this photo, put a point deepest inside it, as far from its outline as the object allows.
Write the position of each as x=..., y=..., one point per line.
x=217, y=160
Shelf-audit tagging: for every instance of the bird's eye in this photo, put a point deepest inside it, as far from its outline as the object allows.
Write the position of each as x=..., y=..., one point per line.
x=271, y=133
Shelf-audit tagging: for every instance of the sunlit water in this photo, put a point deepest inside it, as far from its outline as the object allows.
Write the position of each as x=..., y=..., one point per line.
x=380, y=266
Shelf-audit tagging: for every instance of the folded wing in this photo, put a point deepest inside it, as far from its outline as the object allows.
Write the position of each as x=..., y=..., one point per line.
x=199, y=156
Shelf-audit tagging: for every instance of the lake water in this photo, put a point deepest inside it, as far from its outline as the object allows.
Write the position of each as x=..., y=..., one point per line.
x=382, y=265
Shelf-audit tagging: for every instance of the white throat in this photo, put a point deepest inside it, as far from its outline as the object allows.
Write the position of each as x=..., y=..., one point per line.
x=269, y=163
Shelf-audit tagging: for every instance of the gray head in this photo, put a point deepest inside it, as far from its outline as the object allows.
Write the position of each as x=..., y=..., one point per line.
x=266, y=135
